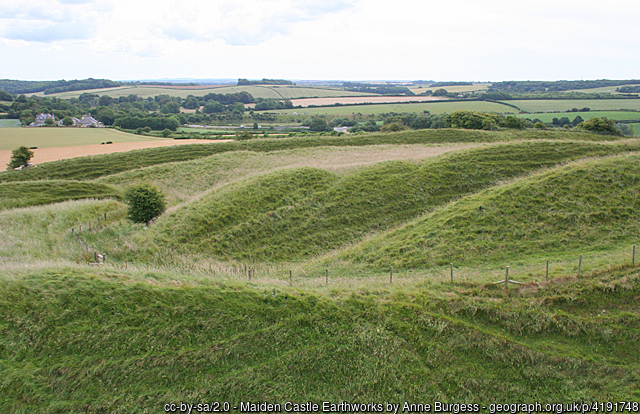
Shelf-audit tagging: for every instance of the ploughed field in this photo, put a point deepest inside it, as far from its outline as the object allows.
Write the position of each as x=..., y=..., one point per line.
x=269, y=277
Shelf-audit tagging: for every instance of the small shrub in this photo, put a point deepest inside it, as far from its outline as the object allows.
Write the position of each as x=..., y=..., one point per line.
x=145, y=202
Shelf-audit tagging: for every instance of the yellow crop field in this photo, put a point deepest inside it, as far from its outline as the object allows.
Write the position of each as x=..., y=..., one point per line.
x=52, y=137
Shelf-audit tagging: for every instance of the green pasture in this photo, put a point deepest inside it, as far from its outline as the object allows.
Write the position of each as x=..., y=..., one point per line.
x=636, y=128
x=257, y=91
x=10, y=123
x=456, y=88
x=438, y=107
x=615, y=115
x=561, y=105
x=604, y=89
x=50, y=137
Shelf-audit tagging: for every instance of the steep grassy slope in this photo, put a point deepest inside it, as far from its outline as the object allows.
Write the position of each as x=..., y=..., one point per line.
x=181, y=181
x=87, y=168
x=43, y=233
x=105, y=341
x=343, y=209
x=14, y=195
x=587, y=206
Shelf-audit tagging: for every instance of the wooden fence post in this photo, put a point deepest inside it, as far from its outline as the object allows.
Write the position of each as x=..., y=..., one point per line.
x=579, y=265
x=451, y=272
x=290, y=277
x=633, y=260
x=391, y=275
x=506, y=279
x=547, y=270
x=326, y=275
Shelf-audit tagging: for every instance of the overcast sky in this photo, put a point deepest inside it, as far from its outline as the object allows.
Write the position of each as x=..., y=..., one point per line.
x=471, y=40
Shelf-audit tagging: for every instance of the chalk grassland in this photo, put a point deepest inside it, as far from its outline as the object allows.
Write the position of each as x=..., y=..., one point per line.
x=49, y=137
x=295, y=214
x=87, y=168
x=561, y=105
x=615, y=115
x=257, y=91
x=131, y=337
x=499, y=225
x=184, y=181
x=10, y=123
x=439, y=107
x=476, y=87
x=122, y=342
x=13, y=195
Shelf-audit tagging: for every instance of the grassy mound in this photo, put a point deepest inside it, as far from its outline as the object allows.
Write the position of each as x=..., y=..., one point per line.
x=326, y=214
x=591, y=205
x=14, y=195
x=103, y=341
x=87, y=168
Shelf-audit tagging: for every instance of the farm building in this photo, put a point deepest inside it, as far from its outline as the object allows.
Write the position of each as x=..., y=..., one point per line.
x=86, y=121
x=41, y=119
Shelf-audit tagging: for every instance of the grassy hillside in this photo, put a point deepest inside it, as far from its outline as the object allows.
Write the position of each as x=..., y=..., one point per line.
x=86, y=168
x=14, y=195
x=107, y=341
x=587, y=206
x=181, y=181
x=327, y=211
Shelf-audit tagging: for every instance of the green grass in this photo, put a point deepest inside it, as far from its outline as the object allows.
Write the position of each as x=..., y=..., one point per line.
x=84, y=168
x=10, y=123
x=438, y=107
x=14, y=195
x=53, y=137
x=561, y=105
x=75, y=339
x=615, y=115
x=256, y=220
x=586, y=206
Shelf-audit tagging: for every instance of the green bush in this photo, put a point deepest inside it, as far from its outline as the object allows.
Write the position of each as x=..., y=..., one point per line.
x=20, y=157
x=145, y=202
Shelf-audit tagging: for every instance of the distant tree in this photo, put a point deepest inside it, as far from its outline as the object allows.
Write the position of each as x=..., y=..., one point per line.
x=318, y=125
x=255, y=125
x=539, y=125
x=213, y=107
x=600, y=126
x=440, y=92
x=392, y=127
x=22, y=99
x=145, y=202
x=105, y=100
x=191, y=103
x=577, y=120
x=170, y=108
x=49, y=122
x=5, y=97
x=20, y=157
x=166, y=132
x=514, y=122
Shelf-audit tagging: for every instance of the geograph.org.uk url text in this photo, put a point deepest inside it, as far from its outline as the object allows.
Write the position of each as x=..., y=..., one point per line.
x=406, y=407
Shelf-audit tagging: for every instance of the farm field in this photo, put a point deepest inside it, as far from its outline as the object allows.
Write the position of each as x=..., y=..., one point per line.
x=604, y=89
x=456, y=88
x=269, y=277
x=561, y=105
x=438, y=107
x=10, y=123
x=257, y=91
x=615, y=115
x=44, y=137
x=351, y=100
